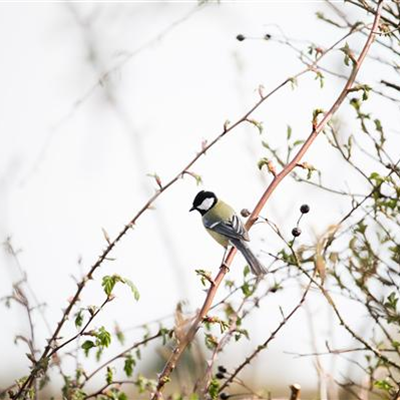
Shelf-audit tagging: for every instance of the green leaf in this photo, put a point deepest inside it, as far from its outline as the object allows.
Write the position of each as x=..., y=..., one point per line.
x=395, y=253
x=211, y=341
x=109, y=375
x=378, y=125
x=133, y=288
x=360, y=228
x=246, y=270
x=239, y=333
x=288, y=132
x=229, y=284
x=298, y=142
x=377, y=178
x=164, y=332
x=129, y=364
x=99, y=353
x=87, y=345
x=79, y=319
x=366, y=89
x=320, y=77
x=150, y=385
x=349, y=56
x=108, y=283
x=122, y=396
x=197, y=177
x=391, y=301
x=263, y=162
x=257, y=124
x=213, y=389
x=120, y=335
x=247, y=289
x=103, y=337
x=383, y=384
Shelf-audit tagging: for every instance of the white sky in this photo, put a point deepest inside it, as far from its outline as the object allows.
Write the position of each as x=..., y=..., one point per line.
x=72, y=161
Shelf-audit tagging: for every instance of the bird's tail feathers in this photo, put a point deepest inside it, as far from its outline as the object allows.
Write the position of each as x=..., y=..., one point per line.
x=255, y=265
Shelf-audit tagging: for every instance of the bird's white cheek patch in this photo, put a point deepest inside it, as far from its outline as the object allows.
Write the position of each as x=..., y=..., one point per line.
x=206, y=204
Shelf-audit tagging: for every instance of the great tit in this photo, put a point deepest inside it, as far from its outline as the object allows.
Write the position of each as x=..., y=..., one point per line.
x=224, y=225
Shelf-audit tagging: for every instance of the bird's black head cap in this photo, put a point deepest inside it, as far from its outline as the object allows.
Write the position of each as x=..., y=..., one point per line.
x=204, y=201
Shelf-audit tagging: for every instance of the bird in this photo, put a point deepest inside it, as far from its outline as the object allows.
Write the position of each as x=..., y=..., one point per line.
x=225, y=226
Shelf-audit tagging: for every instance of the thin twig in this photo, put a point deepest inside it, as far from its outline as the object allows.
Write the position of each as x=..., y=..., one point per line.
x=120, y=355
x=265, y=344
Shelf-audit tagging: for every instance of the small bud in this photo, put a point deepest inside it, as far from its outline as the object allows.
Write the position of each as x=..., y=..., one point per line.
x=296, y=232
x=271, y=168
x=305, y=208
x=226, y=125
x=245, y=213
x=240, y=37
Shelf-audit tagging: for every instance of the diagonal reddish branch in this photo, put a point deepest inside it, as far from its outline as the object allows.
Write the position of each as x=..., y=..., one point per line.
x=317, y=128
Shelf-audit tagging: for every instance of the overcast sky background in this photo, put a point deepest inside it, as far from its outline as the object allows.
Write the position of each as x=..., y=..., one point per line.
x=74, y=155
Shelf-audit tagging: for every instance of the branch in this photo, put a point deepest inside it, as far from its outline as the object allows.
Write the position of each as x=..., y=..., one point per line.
x=391, y=85
x=265, y=344
x=317, y=128
x=107, y=385
x=82, y=331
x=120, y=355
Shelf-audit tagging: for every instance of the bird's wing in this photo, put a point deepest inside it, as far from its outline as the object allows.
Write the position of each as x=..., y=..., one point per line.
x=232, y=229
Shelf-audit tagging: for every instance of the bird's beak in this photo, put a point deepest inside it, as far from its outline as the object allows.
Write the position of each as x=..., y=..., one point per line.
x=192, y=209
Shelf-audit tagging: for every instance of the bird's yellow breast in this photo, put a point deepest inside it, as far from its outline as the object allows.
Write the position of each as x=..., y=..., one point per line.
x=220, y=211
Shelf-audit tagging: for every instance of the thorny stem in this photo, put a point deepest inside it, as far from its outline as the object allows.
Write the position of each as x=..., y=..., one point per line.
x=82, y=331
x=204, y=382
x=328, y=297
x=107, y=385
x=317, y=128
x=264, y=345
x=122, y=354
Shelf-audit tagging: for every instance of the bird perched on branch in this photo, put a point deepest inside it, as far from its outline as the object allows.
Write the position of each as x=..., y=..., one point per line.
x=225, y=226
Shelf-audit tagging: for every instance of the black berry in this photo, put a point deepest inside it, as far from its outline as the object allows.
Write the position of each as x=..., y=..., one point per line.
x=305, y=208
x=219, y=375
x=296, y=232
x=267, y=36
x=222, y=369
x=240, y=37
x=224, y=396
